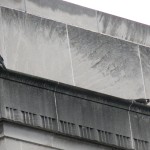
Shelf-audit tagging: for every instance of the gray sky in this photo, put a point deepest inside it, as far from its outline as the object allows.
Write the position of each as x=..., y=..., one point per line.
x=137, y=10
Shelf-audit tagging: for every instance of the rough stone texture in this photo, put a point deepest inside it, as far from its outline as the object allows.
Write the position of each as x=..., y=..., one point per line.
x=41, y=47
x=145, y=60
x=50, y=115
x=42, y=100
x=141, y=130
x=123, y=28
x=86, y=18
x=36, y=46
x=71, y=112
x=64, y=12
x=105, y=64
x=84, y=109
x=140, y=126
x=13, y=4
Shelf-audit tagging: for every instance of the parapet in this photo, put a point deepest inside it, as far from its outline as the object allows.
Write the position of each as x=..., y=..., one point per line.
x=83, y=17
x=75, y=45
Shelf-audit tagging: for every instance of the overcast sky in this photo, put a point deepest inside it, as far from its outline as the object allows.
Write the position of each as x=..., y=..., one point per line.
x=137, y=10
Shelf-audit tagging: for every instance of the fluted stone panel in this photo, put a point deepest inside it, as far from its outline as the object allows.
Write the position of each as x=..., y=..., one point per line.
x=140, y=129
x=140, y=126
x=13, y=4
x=145, y=60
x=71, y=112
x=36, y=46
x=42, y=101
x=98, y=127
x=123, y=28
x=67, y=105
x=64, y=12
x=105, y=64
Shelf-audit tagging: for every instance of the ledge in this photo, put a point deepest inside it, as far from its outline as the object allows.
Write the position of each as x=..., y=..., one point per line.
x=69, y=110
x=18, y=125
x=74, y=91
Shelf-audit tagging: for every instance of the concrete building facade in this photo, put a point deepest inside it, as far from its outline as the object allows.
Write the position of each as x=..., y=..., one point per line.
x=80, y=52
x=64, y=42
x=44, y=115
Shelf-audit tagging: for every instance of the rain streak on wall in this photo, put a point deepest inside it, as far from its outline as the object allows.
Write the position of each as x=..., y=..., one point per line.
x=76, y=45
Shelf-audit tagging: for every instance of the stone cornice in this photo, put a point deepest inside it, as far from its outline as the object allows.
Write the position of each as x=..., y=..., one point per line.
x=74, y=91
x=72, y=111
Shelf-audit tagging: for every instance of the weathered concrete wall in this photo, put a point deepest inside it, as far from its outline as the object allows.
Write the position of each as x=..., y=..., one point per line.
x=18, y=137
x=76, y=45
x=72, y=112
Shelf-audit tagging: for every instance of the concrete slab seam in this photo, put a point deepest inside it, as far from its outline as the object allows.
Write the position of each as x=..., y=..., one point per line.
x=130, y=125
x=70, y=55
x=57, y=117
x=142, y=71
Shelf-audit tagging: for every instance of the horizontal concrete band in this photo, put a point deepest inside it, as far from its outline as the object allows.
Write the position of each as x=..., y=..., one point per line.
x=85, y=18
x=73, y=111
x=74, y=91
x=10, y=131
